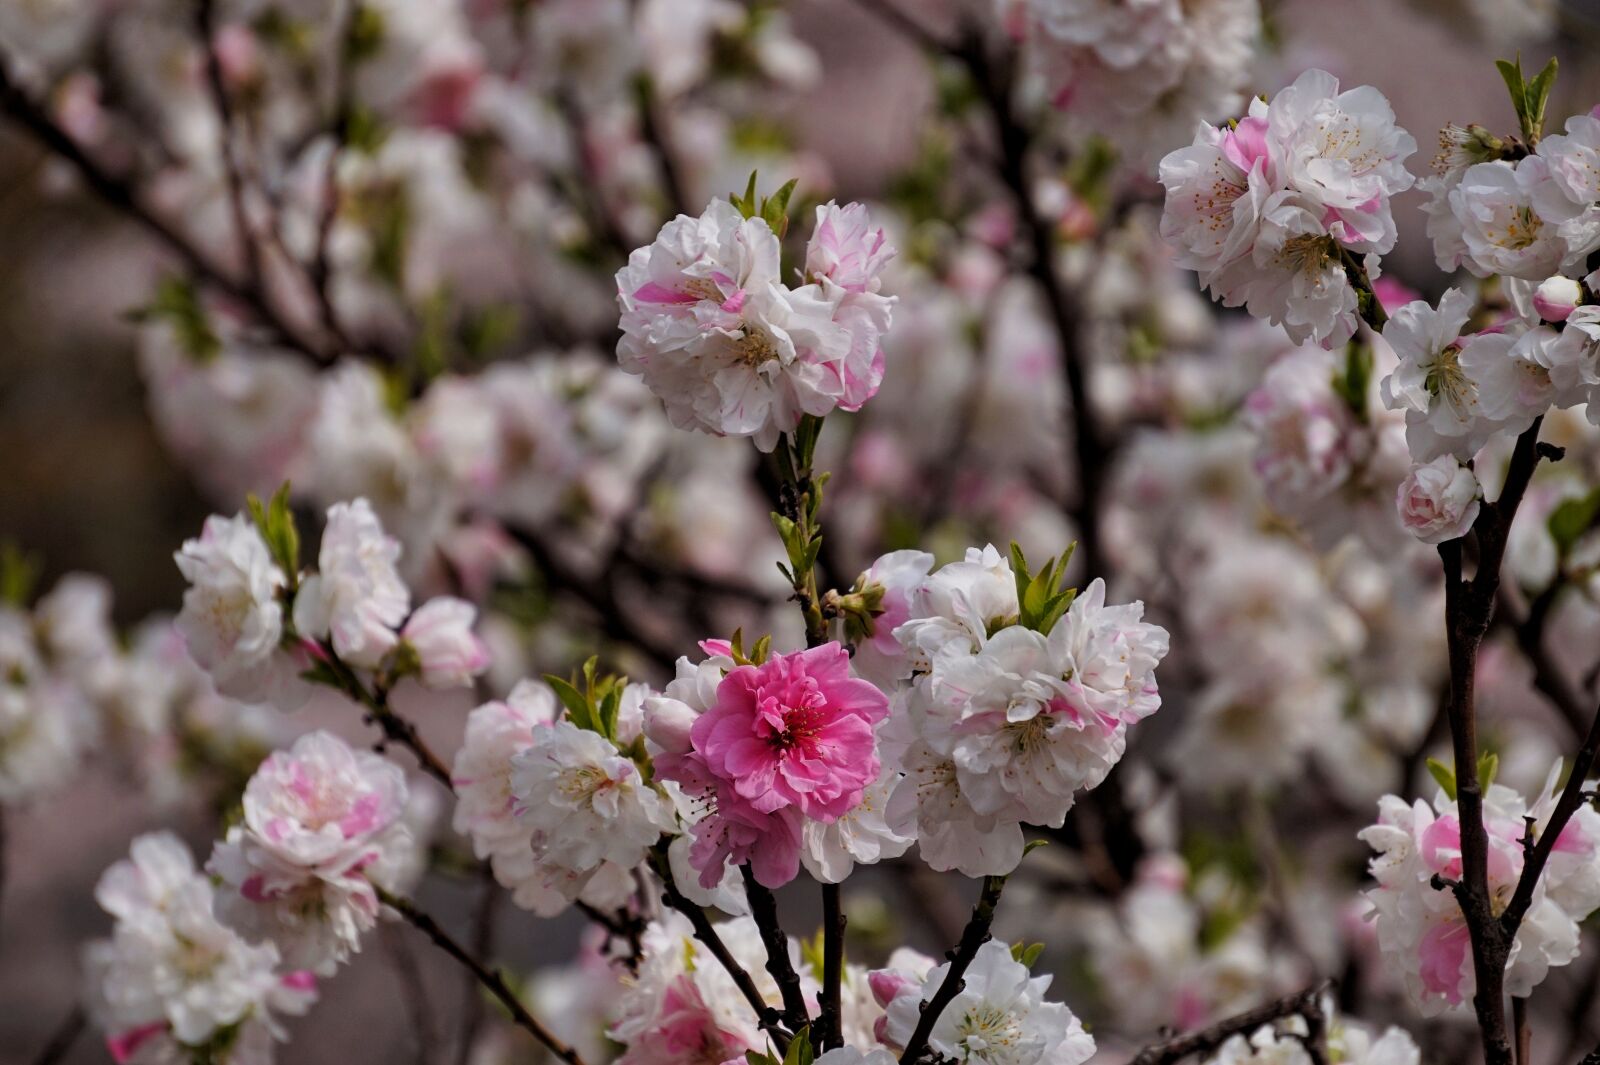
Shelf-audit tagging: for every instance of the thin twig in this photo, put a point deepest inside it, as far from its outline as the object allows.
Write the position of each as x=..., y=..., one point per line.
x=764, y=910
x=1205, y=1040
x=64, y=1036
x=250, y=251
x=119, y=194
x=974, y=936
x=768, y=1017
x=492, y=981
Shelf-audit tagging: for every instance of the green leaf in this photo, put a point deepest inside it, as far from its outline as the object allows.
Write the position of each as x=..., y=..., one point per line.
x=1444, y=775
x=1031, y=954
x=19, y=574
x=775, y=208
x=1537, y=96
x=177, y=303
x=800, y=1052
x=756, y=1057
x=746, y=203
x=1019, y=570
x=1033, y=845
x=1511, y=74
x=1488, y=766
x=578, y=709
x=1572, y=518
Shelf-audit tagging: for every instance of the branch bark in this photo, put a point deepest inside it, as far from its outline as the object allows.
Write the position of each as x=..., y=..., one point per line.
x=975, y=935
x=1305, y=1004
x=492, y=981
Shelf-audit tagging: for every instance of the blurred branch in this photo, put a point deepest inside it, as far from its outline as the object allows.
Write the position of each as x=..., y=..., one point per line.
x=119, y=194
x=492, y=981
x=65, y=1035
x=1305, y=1004
x=227, y=142
x=1528, y=625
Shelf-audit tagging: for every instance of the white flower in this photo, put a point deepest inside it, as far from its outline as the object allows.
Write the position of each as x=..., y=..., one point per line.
x=1298, y=279
x=1567, y=191
x=1500, y=230
x=485, y=808
x=232, y=621
x=955, y=607
x=322, y=824
x=41, y=716
x=1438, y=501
x=928, y=802
x=449, y=654
x=1343, y=152
x=356, y=599
x=1022, y=740
x=1573, y=357
x=586, y=807
x=171, y=971
x=1000, y=1016
x=1215, y=190
x=830, y=852
x=726, y=346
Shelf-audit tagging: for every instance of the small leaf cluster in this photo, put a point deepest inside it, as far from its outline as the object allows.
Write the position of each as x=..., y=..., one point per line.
x=800, y=1052
x=1528, y=98
x=773, y=210
x=1041, y=598
x=596, y=706
x=275, y=521
x=1488, y=767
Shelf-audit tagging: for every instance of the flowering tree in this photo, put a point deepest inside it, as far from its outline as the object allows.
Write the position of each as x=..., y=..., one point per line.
x=696, y=482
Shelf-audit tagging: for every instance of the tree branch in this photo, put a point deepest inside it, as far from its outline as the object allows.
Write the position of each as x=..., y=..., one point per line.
x=975, y=935
x=764, y=910
x=769, y=1018
x=1305, y=1004
x=492, y=981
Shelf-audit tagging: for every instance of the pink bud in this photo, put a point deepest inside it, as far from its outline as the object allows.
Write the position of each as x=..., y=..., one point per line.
x=886, y=984
x=1556, y=298
x=667, y=722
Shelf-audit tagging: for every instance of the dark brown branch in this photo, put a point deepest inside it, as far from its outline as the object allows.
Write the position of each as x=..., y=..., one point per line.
x=974, y=936
x=829, y=1021
x=64, y=1036
x=1305, y=1004
x=492, y=981
x=1572, y=797
x=1469, y=605
x=117, y=193
x=395, y=727
x=769, y=1018
x=764, y=911
x=1089, y=460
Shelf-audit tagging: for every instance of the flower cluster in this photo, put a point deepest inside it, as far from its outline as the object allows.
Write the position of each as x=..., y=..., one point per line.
x=1275, y=210
x=354, y=609
x=173, y=983
x=1141, y=74
x=322, y=831
x=1421, y=929
x=1000, y=724
x=728, y=347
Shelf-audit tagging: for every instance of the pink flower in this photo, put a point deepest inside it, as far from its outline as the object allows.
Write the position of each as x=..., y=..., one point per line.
x=1443, y=953
x=795, y=731
x=449, y=653
x=846, y=249
x=686, y=1032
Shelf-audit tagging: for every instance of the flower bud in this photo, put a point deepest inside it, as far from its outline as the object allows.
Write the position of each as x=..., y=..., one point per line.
x=1438, y=501
x=448, y=653
x=1556, y=298
x=667, y=722
x=885, y=984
